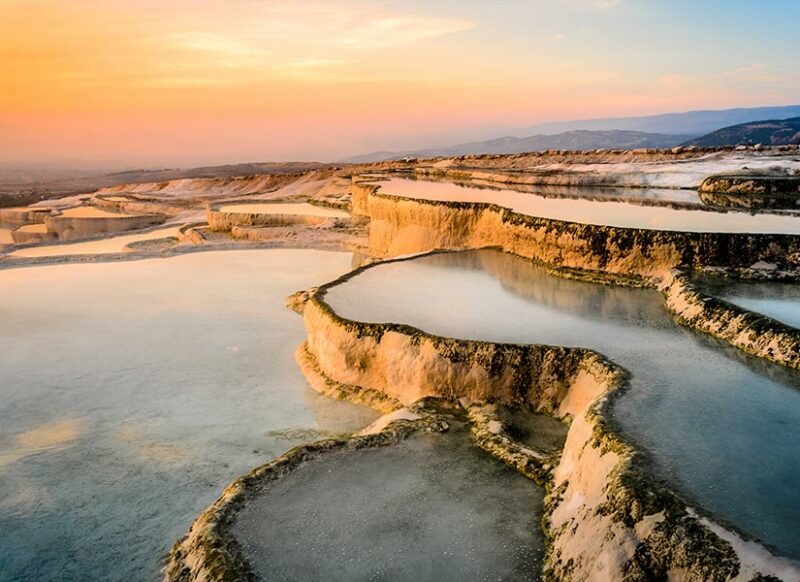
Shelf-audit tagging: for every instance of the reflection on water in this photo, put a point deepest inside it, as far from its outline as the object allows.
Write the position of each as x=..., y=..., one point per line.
x=619, y=214
x=278, y=208
x=114, y=244
x=723, y=427
x=434, y=507
x=780, y=301
x=133, y=392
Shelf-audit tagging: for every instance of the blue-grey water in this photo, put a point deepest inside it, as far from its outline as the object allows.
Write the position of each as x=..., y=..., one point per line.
x=777, y=300
x=434, y=507
x=722, y=427
x=133, y=392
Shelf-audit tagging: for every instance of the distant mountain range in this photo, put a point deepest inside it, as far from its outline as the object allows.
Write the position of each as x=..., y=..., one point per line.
x=689, y=122
x=570, y=140
x=771, y=132
x=666, y=130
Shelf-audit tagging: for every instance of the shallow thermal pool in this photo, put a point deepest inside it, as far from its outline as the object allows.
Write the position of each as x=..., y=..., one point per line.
x=113, y=244
x=620, y=214
x=434, y=507
x=777, y=300
x=720, y=426
x=302, y=209
x=134, y=392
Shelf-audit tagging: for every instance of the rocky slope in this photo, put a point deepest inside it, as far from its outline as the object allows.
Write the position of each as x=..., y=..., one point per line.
x=773, y=132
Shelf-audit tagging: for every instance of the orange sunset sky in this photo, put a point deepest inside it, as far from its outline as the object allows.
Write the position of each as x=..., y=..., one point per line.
x=201, y=81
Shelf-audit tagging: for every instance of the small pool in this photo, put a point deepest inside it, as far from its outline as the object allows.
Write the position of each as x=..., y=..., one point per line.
x=720, y=426
x=134, y=392
x=434, y=507
x=777, y=300
x=302, y=209
x=114, y=244
x=600, y=212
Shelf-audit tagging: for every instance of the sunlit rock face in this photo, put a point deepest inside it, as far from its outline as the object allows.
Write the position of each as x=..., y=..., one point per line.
x=223, y=217
x=87, y=221
x=401, y=225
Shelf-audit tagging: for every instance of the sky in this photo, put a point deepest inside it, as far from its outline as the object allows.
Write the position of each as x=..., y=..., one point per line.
x=182, y=82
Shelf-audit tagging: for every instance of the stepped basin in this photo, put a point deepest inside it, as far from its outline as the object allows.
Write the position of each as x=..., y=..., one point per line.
x=722, y=428
x=302, y=209
x=434, y=507
x=777, y=300
x=596, y=211
x=32, y=233
x=115, y=244
x=88, y=221
x=134, y=392
x=226, y=216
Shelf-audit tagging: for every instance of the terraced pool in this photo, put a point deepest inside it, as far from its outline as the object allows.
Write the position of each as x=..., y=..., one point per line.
x=719, y=426
x=596, y=211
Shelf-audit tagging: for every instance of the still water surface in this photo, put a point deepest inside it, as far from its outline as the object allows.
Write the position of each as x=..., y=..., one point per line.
x=132, y=393
x=779, y=301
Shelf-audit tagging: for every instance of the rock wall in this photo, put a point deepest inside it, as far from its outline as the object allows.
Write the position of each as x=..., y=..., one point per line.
x=751, y=332
x=132, y=205
x=607, y=518
x=404, y=225
x=24, y=215
x=225, y=221
x=76, y=227
x=776, y=192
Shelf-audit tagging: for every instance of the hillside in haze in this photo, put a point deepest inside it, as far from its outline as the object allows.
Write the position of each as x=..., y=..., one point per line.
x=571, y=140
x=769, y=133
x=689, y=122
x=652, y=131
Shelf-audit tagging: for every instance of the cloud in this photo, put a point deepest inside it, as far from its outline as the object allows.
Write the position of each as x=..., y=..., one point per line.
x=744, y=70
x=606, y=4
x=315, y=63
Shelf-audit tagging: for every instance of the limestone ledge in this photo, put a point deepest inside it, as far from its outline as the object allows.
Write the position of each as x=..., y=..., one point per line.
x=607, y=517
x=751, y=332
x=130, y=204
x=402, y=225
x=24, y=214
x=225, y=221
x=77, y=227
x=746, y=191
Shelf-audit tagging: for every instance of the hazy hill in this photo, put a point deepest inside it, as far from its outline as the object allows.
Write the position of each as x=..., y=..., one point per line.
x=571, y=140
x=771, y=132
x=689, y=122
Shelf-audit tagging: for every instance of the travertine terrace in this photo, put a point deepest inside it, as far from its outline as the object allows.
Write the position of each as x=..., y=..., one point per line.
x=607, y=517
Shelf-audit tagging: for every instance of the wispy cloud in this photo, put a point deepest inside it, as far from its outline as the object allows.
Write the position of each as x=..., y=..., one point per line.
x=745, y=70
x=316, y=63
x=606, y=4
